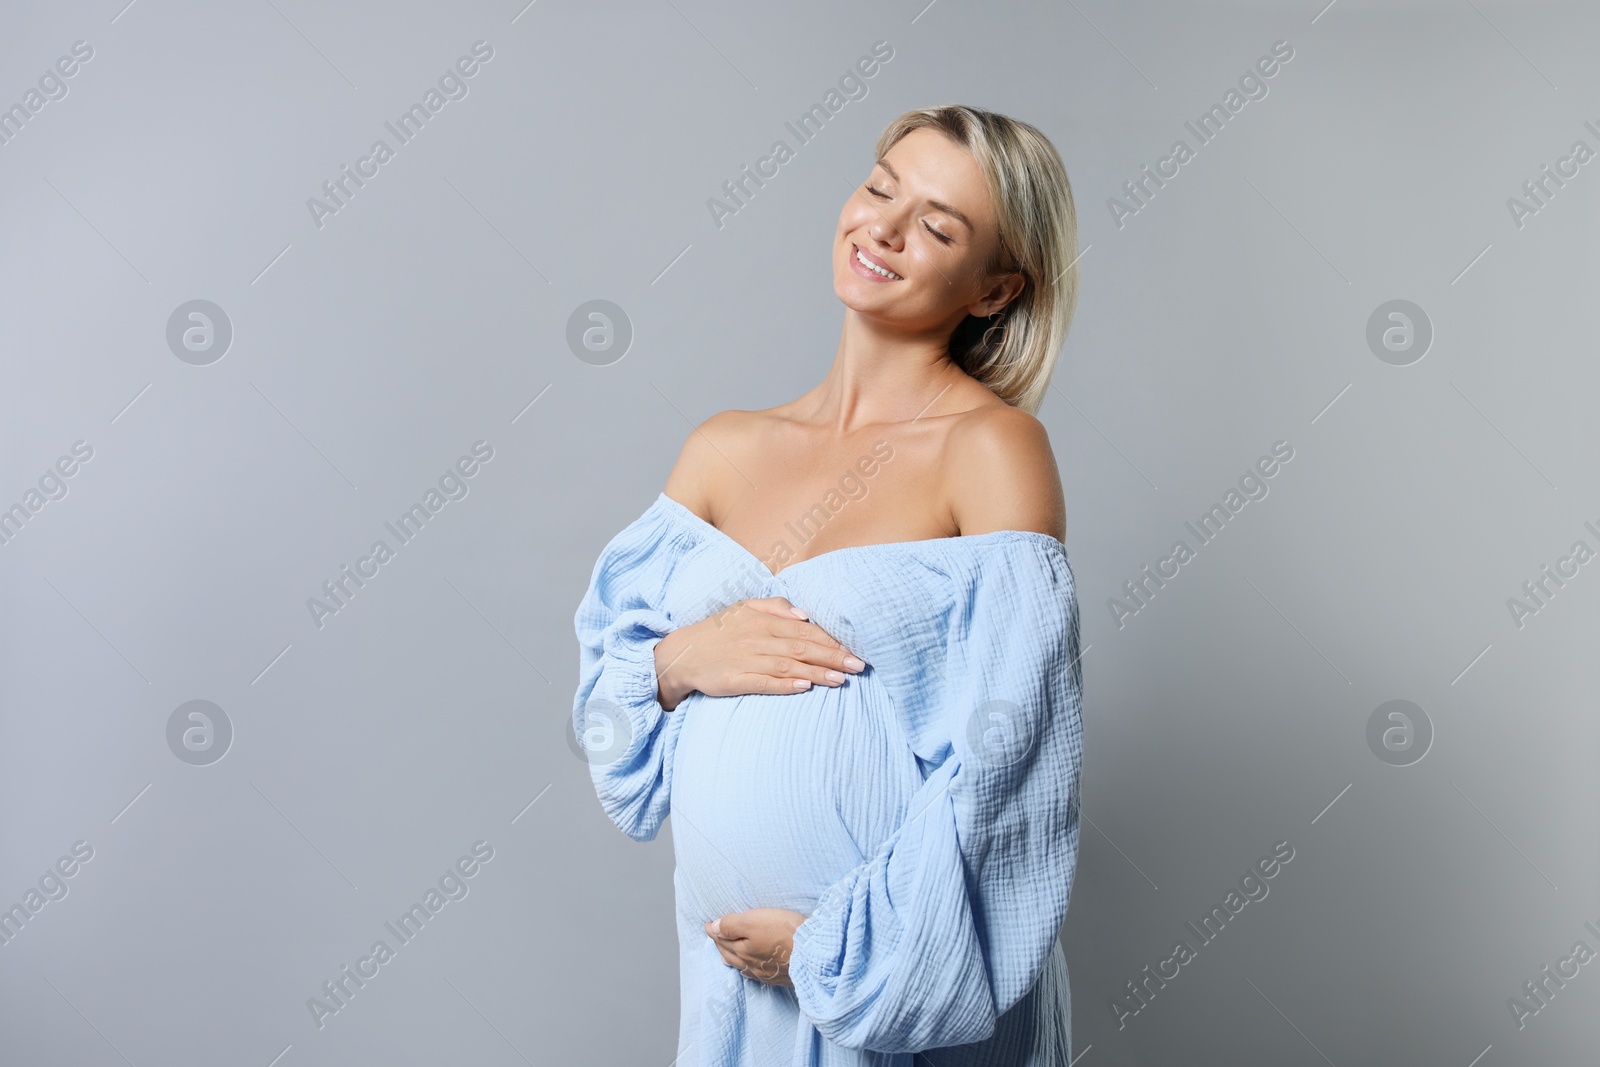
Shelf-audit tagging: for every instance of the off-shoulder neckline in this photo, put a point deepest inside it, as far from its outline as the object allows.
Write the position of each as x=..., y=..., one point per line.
x=685, y=513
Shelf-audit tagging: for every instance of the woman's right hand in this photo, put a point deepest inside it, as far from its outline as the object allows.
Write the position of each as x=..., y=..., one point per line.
x=760, y=645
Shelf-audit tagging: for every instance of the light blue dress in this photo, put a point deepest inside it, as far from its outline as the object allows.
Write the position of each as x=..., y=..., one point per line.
x=924, y=814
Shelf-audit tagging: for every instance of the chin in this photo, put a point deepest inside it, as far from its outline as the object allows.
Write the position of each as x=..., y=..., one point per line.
x=853, y=291
x=849, y=291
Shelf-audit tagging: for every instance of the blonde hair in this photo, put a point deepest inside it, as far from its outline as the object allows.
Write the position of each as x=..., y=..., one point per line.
x=1014, y=352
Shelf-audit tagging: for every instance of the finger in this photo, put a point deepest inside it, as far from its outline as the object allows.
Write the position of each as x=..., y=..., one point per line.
x=755, y=682
x=784, y=625
x=820, y=646
x=830, y=655
x=780, y=606
x=765, y=968
x=759, y=681
x=789, y=627
x=766, y=964
x=783, y=664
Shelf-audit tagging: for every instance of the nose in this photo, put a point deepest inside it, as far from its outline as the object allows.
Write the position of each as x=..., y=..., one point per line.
x=885, y=232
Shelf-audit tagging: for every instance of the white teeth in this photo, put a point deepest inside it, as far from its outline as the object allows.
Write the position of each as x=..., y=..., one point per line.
x=864, y=261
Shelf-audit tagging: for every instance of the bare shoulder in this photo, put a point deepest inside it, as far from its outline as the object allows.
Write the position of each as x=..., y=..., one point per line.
x=1001, y=474
x=704, y=461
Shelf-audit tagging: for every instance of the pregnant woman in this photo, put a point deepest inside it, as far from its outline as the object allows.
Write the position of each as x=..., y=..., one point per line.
x=840, y=649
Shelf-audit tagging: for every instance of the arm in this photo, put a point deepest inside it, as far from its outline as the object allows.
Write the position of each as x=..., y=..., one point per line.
x=949, y=924
x=942, y=931
x=617, y=715
x=628, y=684
x=670, y=691
x=620, y=711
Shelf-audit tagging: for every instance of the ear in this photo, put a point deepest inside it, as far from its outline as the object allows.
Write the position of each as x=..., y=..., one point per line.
x=1005, y=289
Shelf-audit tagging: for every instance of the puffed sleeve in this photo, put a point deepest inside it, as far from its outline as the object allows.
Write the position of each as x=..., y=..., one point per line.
x=928, y=942
x=626, y=735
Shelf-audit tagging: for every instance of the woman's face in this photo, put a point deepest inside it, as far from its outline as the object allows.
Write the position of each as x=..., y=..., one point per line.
x=924, y=215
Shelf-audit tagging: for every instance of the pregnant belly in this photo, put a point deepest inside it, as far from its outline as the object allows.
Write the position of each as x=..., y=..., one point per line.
x=776, y=797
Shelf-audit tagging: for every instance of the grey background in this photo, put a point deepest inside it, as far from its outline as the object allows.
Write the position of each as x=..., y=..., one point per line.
x=431, y=313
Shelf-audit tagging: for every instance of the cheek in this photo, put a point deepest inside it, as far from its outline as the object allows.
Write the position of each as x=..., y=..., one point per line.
x=969, y=274
x=856, y=214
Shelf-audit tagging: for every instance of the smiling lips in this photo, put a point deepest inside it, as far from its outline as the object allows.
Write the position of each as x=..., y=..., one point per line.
x=872, y=267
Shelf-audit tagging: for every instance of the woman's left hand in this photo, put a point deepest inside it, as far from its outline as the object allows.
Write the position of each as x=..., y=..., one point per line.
x=757, y=942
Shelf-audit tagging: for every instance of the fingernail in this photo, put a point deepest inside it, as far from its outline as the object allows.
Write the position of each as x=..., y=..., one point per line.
x=798, y=612
x=854, y=664
x=802, y=683
x=833, y=676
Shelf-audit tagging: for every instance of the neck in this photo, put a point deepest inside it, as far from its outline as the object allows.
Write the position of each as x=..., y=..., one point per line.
x=881, y=375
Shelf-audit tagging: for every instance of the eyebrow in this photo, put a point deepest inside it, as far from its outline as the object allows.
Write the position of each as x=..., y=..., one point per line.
x=939, y=205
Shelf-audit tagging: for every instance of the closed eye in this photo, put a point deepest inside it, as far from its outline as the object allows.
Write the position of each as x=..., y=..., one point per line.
x=881, y=195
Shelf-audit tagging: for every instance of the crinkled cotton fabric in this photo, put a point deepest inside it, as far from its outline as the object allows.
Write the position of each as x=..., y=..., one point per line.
x=923, y=815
